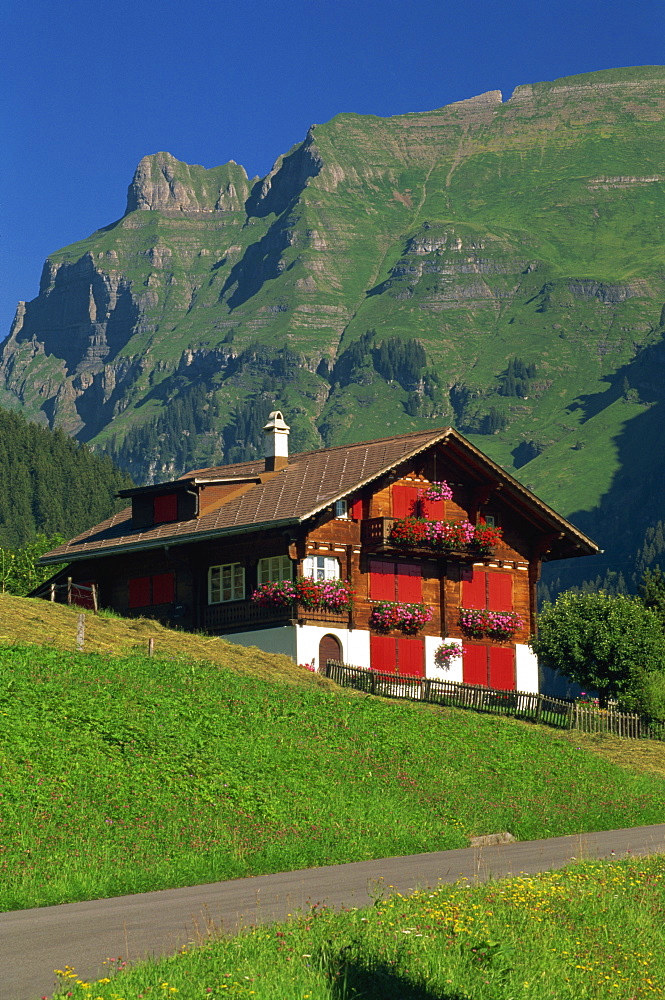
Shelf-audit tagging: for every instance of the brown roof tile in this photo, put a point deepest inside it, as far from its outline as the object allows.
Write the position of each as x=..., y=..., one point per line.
x=310, y=482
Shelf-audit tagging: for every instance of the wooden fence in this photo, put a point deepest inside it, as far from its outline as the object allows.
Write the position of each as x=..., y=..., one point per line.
x=559, y=712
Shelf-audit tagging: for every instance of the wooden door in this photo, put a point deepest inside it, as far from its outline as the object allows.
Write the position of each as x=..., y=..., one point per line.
x=329, y=649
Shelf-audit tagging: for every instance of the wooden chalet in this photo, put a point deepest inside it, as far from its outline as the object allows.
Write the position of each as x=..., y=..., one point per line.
x=194, y=551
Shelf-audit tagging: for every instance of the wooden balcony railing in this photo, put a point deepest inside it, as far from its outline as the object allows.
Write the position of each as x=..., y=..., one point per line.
x=248, y=614
x=375, y=537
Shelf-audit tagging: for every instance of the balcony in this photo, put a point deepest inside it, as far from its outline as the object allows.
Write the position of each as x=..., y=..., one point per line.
x=450, y=540
x=239, y=615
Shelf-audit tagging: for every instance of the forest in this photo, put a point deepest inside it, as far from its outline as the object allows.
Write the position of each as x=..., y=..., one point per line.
x=51, y=488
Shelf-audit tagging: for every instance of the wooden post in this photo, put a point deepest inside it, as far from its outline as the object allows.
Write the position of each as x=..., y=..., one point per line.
x=151, y=646
x=69, y=590
x=52, y=596
x=80, y=632
x=95, y=598
x=539, y=706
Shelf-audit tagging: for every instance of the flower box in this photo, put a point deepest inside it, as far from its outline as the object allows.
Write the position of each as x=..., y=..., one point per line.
x=479, y=622
x=438, y=491
x=313, y=595
x=408, y=618
x=445, y=536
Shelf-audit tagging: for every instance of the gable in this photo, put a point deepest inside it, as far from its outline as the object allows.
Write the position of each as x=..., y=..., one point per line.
x=250, y=500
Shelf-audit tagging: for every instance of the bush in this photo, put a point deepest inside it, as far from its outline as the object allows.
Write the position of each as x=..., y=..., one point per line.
x=651, y=696
x=612, y=644
x=20, y=571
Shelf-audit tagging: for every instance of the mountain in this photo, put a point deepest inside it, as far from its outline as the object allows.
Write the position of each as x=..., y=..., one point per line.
x=495, y=265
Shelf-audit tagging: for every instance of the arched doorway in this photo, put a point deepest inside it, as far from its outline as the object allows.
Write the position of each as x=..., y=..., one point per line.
x=330, y=648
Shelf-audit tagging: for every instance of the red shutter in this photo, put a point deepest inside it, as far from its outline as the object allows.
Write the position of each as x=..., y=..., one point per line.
x=163, y=588
x=411, y=657
x=381, y=580
x=433, y=510
x=139, y=592
x=356, y=510
x=166, y=508
x=474, y=664
x=502, y=668
x=383, y=653
x=500, y=591
x=82, y=598
x=473, y=588
x=409, y=582
x=404, y=500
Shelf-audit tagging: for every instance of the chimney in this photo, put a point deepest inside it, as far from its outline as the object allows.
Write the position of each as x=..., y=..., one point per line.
x=277, y=442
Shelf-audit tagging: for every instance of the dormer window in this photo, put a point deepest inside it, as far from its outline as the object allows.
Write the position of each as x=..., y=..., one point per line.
x=151, y=507
x=165, y=508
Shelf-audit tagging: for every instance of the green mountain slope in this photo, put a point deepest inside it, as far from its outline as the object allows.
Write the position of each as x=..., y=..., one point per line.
x=527, y=232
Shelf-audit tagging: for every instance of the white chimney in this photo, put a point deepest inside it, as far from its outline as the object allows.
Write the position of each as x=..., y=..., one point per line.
x=277, y=442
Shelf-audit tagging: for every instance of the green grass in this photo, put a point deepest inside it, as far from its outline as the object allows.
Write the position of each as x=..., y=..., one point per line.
x=124, y=774
x=588, y=932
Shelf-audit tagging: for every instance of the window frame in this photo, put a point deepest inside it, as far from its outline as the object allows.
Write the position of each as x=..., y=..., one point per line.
x=311, y=572
x=235, y=592
x=284, y=572
x=341, y=509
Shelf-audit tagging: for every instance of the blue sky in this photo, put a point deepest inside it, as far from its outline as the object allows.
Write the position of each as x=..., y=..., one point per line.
x=92, y=87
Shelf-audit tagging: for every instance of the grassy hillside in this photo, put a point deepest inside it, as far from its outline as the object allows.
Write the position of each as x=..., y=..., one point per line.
x=121, y=773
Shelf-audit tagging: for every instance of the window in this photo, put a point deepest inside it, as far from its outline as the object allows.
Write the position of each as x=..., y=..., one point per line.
x=489, y=666
x=408, y=501
x=356, y=509
x=405, y=500
x=341, y=509
x=274, y=569
x=395, y=581
x=401, y=655
x=165, y=508
x=321, y=567
x=147, y=590
x=482, y=589
x=226, y=583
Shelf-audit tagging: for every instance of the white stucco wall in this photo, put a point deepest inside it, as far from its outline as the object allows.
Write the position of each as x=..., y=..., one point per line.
x=454, y=671
x=526, y=669
x=270, y=640
x=355, y=644
x=301, y=643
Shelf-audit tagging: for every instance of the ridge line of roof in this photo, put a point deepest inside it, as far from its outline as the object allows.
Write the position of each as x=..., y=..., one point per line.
x=436, y=432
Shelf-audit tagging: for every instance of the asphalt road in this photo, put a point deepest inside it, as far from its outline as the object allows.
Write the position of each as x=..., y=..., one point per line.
x=35, y=942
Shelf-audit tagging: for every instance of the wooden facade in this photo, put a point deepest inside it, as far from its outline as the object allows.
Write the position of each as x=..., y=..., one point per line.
x=206, y=583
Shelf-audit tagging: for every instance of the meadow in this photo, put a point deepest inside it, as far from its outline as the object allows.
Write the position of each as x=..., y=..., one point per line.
x=125, y=773
x=588, y=932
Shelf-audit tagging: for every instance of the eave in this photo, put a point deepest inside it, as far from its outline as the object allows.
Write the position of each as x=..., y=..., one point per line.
x=168, y=542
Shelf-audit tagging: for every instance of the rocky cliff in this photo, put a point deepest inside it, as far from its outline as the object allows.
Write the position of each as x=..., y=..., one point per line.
x=487, y=231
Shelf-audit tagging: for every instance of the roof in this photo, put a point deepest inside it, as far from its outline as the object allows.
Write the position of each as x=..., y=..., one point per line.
x=309, y=483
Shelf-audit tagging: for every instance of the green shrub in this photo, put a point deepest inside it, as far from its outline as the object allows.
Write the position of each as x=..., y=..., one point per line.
x=612, y=644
